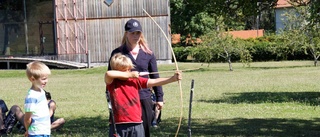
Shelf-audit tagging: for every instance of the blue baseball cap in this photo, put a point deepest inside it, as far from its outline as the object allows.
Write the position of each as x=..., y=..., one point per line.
x=133, y=25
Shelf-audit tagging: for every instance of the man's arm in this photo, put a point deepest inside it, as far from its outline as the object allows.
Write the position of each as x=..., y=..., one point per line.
x=52, y=108
x=153, y=67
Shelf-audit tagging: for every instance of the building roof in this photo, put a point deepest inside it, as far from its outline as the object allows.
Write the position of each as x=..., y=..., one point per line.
x=283, y=4
x=287, y=3
x=245, y=34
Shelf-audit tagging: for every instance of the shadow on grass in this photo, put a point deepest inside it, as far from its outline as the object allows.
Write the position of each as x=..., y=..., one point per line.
x=86, y=126
x=309, y=98
x=279, y=67
x=79, y=127
x=273, y=127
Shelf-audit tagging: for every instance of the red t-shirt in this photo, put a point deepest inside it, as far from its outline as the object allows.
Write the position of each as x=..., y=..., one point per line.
x=125, y=99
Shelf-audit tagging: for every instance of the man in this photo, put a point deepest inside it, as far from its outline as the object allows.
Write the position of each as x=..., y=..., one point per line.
x=7, y=122
x=55, y=124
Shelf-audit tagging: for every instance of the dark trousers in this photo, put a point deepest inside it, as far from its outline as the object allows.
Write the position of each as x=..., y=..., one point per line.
x=10, y=121
x=147, y=115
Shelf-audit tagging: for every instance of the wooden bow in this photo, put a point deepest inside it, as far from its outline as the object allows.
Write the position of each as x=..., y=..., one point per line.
x=177, y=68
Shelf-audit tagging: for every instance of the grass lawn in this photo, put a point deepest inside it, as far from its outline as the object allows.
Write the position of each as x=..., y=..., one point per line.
x=267, y=99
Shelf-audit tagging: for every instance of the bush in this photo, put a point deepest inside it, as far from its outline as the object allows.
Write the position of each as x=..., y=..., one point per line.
x=182, y=53
x=266, y=48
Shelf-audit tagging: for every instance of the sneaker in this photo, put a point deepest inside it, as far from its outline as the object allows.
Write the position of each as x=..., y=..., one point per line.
x=154, y=124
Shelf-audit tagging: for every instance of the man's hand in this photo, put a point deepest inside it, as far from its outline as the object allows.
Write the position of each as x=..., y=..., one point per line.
x=159, y=105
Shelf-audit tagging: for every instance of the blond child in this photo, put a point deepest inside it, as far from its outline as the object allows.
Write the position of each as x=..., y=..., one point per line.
x=37, y=117
x=123, y=86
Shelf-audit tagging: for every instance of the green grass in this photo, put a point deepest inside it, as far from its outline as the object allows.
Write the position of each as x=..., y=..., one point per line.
x=267, y=99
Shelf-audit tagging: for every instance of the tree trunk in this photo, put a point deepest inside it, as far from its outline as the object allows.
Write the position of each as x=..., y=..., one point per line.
x=228, y=57
x=315, y=59
x=230, y=65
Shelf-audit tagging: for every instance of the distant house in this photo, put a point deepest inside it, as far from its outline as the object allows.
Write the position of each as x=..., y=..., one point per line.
x=245, y=34
x=282, y=7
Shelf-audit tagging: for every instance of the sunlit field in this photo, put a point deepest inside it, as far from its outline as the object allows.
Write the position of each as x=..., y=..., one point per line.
x=266, y=99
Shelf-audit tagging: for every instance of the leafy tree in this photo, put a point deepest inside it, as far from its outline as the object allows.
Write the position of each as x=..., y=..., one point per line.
x=191, y=17
x=315, y=10
x=219, y=43
x=199, y=17
x=301, y=32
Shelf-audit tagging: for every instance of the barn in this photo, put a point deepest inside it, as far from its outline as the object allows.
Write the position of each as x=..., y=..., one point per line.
x=86, y=31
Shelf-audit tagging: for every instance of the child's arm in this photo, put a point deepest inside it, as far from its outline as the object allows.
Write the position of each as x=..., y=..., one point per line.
x=27, y=122
x=162, y=81
x=112, y=74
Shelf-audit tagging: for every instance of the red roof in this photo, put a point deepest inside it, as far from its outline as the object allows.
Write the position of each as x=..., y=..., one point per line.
x=245, y=34
x=286, y=3
x=283, y=4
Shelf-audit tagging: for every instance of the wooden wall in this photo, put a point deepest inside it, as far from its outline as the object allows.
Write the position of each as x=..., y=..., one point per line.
x=84, y=25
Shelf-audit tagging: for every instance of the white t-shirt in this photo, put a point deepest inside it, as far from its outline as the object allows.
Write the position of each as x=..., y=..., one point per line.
x=36, y=102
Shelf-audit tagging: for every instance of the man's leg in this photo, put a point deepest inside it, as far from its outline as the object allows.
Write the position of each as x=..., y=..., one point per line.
x=19, y=116
x=15, y=114
x=18, y=113
x=1, y=120
x=156, y=116
x=58, y=123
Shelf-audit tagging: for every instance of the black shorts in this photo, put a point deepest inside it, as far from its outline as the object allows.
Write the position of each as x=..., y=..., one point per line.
x=128, y=130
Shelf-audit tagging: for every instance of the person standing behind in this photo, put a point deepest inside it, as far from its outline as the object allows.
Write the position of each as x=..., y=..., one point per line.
x=135, y=46
x=55, y=124
x=123, y=86
x=37, y=117
x=156, y=113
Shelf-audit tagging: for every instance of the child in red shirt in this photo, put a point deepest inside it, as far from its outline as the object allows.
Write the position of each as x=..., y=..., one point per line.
x=123, y=86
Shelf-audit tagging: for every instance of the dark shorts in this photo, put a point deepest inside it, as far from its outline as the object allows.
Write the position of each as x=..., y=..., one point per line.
x=128, y=130
x=9, y=122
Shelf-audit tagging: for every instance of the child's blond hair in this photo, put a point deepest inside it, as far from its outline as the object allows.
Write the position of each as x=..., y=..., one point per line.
x=120, y=62
x=36, y=69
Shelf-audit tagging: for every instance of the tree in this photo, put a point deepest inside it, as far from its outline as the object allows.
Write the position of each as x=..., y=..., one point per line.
x=219, y=43
x=302, y=31
x=315, y=10
x=199, y=17
x=190, y=17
